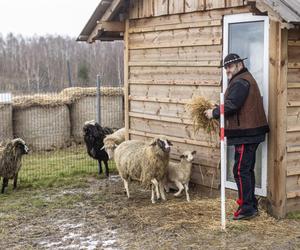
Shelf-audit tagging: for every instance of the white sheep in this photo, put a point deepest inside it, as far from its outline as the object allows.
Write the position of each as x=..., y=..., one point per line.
x=112, y=141
x=180, y=173
x=144, y=162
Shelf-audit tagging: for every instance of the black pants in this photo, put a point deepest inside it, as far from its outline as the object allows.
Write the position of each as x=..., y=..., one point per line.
x=244, y=176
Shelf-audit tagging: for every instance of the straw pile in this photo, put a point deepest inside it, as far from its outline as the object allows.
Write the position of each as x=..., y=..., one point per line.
x=43, y=121
x=82, y=104
x=6, y=122
x=196, y=107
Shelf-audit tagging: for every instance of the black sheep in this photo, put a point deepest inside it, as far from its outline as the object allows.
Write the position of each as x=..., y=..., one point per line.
x=93, y=135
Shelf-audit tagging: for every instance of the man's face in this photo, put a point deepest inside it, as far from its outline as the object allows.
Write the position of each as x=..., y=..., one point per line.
x=232, y=69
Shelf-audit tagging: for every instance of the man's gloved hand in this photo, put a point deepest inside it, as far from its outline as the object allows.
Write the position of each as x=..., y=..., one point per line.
x=209, y=113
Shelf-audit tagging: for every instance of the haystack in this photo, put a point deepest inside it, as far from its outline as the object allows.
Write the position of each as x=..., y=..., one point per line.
x=43, y=121
x=82, y=103
x=6, y=122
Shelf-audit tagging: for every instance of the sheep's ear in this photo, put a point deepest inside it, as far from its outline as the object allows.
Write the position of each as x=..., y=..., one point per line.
x=170, y=143
x=153, y=142
x=181, y=156
x=194, y=152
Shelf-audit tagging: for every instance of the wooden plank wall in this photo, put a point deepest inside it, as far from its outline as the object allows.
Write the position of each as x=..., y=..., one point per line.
x=171, y=59
x=293, y=122
x=149, y=8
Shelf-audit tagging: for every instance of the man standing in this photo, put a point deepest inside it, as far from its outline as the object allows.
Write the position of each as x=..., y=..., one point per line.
x=245, y=127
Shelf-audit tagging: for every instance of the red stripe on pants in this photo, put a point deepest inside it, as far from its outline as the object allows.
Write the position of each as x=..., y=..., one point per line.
x=239, y=172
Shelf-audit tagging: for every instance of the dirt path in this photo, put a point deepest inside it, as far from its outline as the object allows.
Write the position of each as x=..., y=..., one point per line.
x=101, y=217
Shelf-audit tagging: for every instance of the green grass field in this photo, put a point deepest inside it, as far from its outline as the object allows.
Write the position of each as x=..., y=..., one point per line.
x=58, y=168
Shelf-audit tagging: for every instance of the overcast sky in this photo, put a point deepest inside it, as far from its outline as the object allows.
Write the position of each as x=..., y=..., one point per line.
x=40, y=17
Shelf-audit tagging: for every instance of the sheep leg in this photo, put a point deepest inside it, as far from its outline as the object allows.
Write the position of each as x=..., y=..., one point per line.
x=106, y=169
x=4, y=185
x=15, y=180
x=162, y=191
x=152, y=193
x=155, y=183
x=186, y=188
x=126, y=188
x=99, y=167
x=180, y=187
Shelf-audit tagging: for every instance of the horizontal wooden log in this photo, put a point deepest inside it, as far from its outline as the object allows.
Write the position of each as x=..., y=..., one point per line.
x=133, y=81
x=293, y=183
x=195, y=53
x=175, y=73
x=293, y=194
x=171, y=129
x=295, y=170
x=293, y=75
x=294, y=85
x=204, y=23
x=292, y=149
x=294, y=43
x=293, y=204
x=160, y=99
x=176, y=139
x=173, y=94
x=175, y=44
x=293, y=104
x=176, y=63
x=294, y=65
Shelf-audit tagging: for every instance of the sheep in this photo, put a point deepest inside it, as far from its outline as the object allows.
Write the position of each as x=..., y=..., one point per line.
x=112, y=141
x=179, y=173
x=144, y=162
x=93, y=135
x=11, y=161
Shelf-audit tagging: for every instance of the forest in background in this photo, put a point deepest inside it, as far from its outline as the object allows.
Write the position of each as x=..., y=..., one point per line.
x=40, y=64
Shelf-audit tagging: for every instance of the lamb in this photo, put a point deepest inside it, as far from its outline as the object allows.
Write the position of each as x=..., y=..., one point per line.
x=144, y=162
x=179, y=173
x=112, y=141
x=93, y=135
x=11, y=161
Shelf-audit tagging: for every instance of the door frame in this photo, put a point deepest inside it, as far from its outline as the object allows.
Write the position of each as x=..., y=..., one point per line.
x=241, y=18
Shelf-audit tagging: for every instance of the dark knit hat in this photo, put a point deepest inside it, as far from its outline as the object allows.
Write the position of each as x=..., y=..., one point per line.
x=231, y=58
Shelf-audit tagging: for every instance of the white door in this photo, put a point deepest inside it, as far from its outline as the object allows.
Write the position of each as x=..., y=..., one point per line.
x=248, y=36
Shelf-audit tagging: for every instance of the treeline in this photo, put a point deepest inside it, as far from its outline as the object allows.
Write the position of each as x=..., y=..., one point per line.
x=40, y=64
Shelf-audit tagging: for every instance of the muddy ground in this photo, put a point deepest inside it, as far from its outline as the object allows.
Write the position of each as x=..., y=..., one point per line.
x=97, y=215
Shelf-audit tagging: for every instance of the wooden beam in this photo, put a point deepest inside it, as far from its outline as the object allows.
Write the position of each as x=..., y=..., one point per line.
x=126, y=76
x=199, y=24
x=294, y=85
x=293, y=194
x=111, y=10
x=293, y=149
x=186, y=43
x=294, y=43
x=159, y=99
x=293, y=104
x=294, y=65
x=176, y=63
x=174, y=82
x=113, y=26
x=175, y=139
x=277, y=158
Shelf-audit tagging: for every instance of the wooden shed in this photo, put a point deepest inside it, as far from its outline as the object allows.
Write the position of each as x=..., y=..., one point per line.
x=172, y=50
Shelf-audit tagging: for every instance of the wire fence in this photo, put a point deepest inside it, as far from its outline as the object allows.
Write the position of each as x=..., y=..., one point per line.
x=51, y=125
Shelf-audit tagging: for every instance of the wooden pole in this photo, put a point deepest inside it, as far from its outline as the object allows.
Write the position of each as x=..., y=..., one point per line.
x=223, y=162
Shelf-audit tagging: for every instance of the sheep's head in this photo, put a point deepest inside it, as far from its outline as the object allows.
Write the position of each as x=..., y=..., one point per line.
x=92, y=130
x=19, y=146
x=188, y=156
x=162, y=144
x=109, y=146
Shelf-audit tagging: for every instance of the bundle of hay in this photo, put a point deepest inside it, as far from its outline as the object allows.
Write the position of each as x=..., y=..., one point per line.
x=82, y=103
x=6, y=122
x=197, y=107
x=43, y=121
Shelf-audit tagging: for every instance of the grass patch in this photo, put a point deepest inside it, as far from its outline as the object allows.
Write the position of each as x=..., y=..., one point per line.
x=293, y=215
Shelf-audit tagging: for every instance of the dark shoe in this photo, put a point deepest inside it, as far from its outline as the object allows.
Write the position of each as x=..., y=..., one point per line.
x=247, y=216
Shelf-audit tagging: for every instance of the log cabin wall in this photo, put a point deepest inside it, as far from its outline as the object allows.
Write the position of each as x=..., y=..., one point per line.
x=293, y=122
x=171, y=56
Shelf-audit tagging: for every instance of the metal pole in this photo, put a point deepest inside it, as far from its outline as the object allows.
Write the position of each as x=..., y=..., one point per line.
x=98, y=100
x=223, y=162
x=69, y=73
